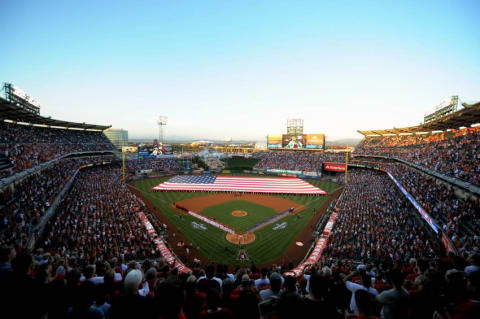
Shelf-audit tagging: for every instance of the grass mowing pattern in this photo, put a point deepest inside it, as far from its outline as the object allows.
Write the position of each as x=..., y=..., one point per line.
x=223, y=213
x=269, y=244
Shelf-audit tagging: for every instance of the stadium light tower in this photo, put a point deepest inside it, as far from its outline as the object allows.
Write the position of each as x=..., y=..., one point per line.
x=295, y=126
x=162, y=123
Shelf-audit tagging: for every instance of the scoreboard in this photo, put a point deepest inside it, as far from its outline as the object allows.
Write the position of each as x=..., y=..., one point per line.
x=296, y=141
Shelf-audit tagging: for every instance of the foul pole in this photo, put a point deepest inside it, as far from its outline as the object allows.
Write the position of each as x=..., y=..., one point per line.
x=123, y=161
x=346, y=165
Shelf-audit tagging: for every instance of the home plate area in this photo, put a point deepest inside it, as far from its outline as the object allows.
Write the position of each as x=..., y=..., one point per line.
x=242, y=239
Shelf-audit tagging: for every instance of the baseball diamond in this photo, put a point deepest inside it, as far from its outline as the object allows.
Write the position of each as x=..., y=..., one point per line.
x=261, y=209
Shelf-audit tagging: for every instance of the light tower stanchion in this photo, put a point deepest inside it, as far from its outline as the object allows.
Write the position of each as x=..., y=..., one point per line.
x=162, y=123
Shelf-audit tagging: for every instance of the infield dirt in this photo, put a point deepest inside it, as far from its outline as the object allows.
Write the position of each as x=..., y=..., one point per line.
x=241, y=239
x=239, y=213
x=278, y=204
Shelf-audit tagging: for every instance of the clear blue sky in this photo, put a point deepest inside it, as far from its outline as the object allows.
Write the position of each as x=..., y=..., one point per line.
x=241, y=68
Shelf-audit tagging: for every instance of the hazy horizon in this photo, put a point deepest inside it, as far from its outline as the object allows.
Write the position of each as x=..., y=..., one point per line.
x=221, y=69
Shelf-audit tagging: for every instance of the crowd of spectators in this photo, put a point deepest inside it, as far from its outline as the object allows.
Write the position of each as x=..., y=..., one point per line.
x=459, y=217
x=22, y=208
x=26, y=146
x=375, y=221
x=156, y=164
x=95, y=259
x=64, y=287
x=379, y=262
x=453, y=153
x=97, y=219
x=456, y=214
x=296, y=160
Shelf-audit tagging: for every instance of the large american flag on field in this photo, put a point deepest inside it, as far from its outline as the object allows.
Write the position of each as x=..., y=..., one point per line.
x=277, y=185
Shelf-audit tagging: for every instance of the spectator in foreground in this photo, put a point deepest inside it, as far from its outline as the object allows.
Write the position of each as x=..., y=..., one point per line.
x=214, y=309
x=364, y=304
x=317, y=299
x=275, y=287
x=353, y=287
x=132, y=304
x=396, y=300
x=470, y=308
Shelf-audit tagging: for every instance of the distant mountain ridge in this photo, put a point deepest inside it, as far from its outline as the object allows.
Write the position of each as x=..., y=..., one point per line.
x=344, y=141
x=179, y=139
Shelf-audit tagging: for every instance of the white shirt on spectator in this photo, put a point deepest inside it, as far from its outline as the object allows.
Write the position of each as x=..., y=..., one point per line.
x=353, y=287
x=117, y=277
x=470, y=269
x=96, y=280
x=145, y=289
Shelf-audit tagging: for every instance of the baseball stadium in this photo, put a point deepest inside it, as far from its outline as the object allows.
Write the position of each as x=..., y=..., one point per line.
x=294, y=224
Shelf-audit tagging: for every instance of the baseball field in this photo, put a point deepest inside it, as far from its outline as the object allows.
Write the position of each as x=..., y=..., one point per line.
x=272, y=235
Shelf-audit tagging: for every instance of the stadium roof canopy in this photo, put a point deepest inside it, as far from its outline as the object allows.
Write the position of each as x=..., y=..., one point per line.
x=462, y=118
x=15, y=113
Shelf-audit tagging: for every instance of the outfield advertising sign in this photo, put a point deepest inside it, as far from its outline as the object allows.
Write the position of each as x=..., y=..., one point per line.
x=334, y=167
x=283, y=171
x=315, y=141
x=274, y=141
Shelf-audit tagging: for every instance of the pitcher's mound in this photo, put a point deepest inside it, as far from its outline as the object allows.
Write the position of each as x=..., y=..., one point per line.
x=241, y=239
x=239, y=213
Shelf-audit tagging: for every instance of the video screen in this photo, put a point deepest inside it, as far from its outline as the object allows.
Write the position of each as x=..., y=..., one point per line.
x=146, y=150
x=152, y=151
x=296, y=141
x=167, y=150
x=293, y=141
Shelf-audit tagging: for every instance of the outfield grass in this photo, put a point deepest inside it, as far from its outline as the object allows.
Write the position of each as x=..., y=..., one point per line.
x=269, y=244
x=255, y=214
x=241, y=163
